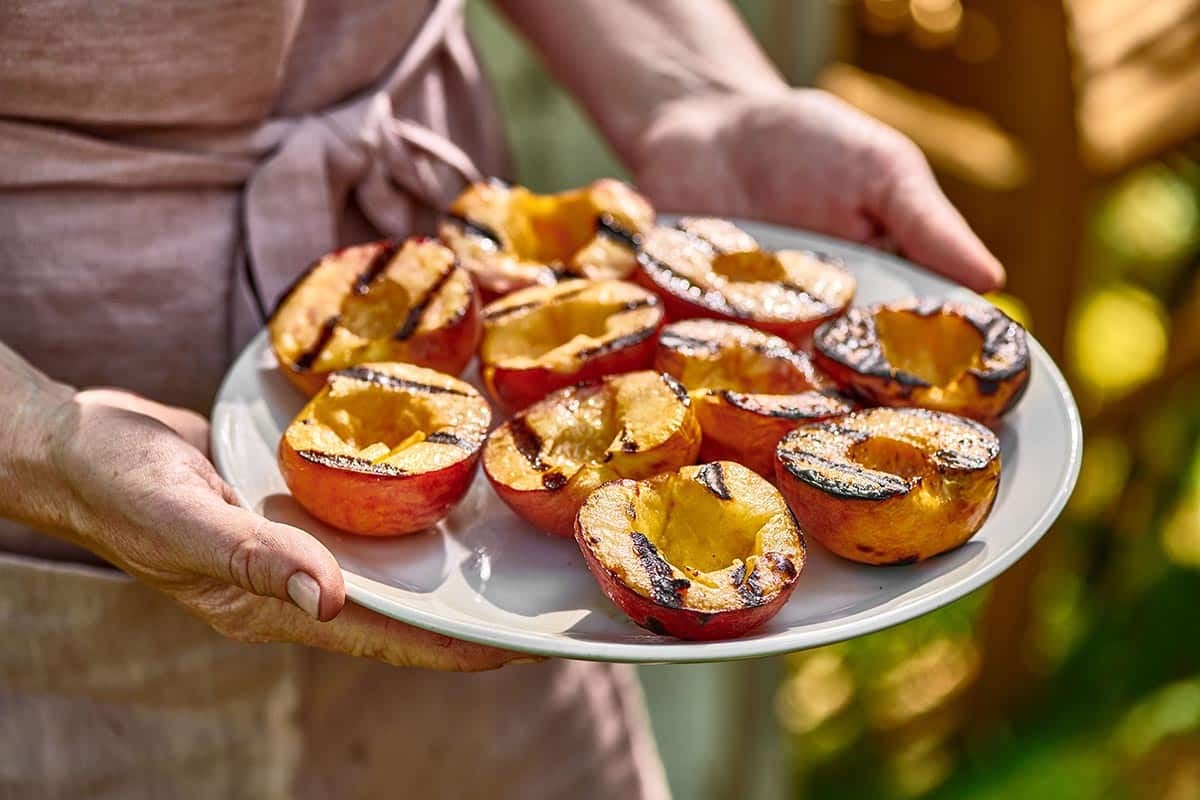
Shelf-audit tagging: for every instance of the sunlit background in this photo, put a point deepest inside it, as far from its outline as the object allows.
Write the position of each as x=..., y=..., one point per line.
x=1069, y=134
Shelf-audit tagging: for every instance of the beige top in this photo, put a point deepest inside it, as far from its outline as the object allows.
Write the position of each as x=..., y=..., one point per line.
x=161, y=165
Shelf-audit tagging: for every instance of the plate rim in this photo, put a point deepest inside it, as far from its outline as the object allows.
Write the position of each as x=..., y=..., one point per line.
x=358, y=587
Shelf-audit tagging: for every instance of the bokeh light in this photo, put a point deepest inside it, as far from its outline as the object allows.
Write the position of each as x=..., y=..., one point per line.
x=1150, y=222
x=1118, y=339
x=1105, y=469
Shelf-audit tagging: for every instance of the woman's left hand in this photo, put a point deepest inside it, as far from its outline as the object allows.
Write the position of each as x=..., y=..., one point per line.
x=802, y=157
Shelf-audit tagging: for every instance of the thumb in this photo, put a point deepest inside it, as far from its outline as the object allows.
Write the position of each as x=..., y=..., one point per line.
x=270, y=559
x=928, y=229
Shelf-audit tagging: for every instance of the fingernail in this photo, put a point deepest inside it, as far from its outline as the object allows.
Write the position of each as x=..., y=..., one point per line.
x=305, y=593
x=527, y=660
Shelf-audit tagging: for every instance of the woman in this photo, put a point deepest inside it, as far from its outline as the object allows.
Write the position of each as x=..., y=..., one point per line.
x=165, y=169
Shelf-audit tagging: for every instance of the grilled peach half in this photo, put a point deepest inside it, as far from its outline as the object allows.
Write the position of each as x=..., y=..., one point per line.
x=376, y=302
x=704, y=552
x=711, y=268
x=748, y=388
x=965, y=359
x=890, y=485
x=547, y=459
x=547, y=337
x=509, y=237
x=384, y=449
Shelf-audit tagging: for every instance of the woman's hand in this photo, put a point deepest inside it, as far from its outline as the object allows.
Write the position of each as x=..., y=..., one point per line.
x=128, y=479
x=803, y=157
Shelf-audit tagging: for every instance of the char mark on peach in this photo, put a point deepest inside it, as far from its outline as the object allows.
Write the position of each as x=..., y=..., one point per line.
x=499, y=313
x=692, y=233
x=362, y=284
x=805, y=294
x=781, y=563
x=675, y=341
x=708, y=298
x=446, y=437
x=665, y=588
x=846, y=480
x=617, y=343
x=476, y=228
x=712, y=477
x=413, y=318
x=527, y=442
x=608, y=227
x=351, y=463
x=814, y=408
x=368, y=375
x=747, y=586
x=554, y=480
x=678, y=389
x=305, y=360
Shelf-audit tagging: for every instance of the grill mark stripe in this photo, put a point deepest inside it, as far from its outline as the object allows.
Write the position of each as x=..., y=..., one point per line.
x=445, y=437
x=413, y=319
x=476, y=228
x=678, y=341
x=500, y=313
x=709, y=298
x=879, y=486
x=554, y=481
x=677, y=388
x=700, y=237
x=305, y=360
x=527, y=442
x=376, y=267
x=352, y=463
x=712, y=477
x=368, y=375
x=747, y=586
x=813, y=410
x=781, y=563
x=608, y=227
x=619, y=342
x=665, y=588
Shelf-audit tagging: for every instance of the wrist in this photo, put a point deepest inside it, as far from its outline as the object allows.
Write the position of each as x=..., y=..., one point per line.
x=701, y=116
x=34, y=419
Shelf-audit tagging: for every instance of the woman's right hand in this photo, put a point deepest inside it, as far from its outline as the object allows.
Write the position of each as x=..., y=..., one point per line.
x=128, y=479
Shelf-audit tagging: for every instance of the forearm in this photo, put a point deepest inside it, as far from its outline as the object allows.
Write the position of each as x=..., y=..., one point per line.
x=29, y=404
x=626, y=59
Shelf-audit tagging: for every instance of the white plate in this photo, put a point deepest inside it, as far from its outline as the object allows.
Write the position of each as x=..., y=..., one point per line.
x=486, y=576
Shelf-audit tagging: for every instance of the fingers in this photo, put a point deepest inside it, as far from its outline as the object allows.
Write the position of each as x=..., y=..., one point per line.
x=926, y=228
x=360, y=632
x=267, y=558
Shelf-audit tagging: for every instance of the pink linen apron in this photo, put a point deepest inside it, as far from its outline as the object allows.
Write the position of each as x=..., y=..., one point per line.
x=164, y=169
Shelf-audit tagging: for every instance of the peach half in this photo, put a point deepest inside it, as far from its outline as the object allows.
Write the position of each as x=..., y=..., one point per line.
x=711, y=268
x=548, y=458
x=748, y=388
x=376, y=302
x=547, y=337
x=705, y=552
x=966, y=359
x=384, y=449
x=509, y=237
x=890, y=485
